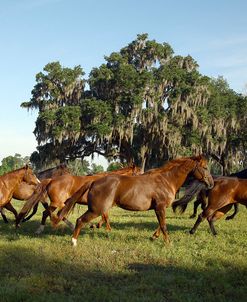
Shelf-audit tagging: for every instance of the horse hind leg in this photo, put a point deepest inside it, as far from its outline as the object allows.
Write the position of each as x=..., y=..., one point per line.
x=217, y=215
x=80, y=223
x=206, y=213
x=104, y=218
x=35, y=208
x=236, y=210
x=156, y=234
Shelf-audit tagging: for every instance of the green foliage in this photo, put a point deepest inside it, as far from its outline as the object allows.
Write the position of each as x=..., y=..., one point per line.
x=79, y=167
x=114, y=166
x=96, y=117
x=96, y=168
x=11, y=163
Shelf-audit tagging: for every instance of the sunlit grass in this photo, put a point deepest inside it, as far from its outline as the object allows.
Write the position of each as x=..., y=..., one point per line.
x=125, y=265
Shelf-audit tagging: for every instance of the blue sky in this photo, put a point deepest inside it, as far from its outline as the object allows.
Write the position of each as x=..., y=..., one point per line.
x=36, y=32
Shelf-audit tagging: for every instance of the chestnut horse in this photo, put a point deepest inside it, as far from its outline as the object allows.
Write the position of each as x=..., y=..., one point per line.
x=63, y=187
x=201, y=200
x=25, y=190
x=226, y=192
x=11, y=180
x=155, y=189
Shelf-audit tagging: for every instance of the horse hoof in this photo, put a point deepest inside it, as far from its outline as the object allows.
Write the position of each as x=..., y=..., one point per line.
x=92, y=226
x=192, y=232
x=229, y=218
x=192, y=216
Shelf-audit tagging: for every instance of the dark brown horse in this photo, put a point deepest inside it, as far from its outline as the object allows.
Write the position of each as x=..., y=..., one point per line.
x=226, y=192
x=25, y=190
x=154, y=189
x=11, y=180
x=62, y=188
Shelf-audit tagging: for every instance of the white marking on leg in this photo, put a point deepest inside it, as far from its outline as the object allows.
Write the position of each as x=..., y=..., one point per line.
x=74, y=242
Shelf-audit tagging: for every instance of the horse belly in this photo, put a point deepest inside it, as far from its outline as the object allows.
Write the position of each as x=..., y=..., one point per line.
x=134, y=203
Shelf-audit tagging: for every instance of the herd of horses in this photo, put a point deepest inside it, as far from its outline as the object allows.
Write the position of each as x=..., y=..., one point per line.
x=127, y=188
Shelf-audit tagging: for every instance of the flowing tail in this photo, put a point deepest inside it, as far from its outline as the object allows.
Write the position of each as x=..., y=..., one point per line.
x=33, y=200
x=70, y=203
x=193, y=190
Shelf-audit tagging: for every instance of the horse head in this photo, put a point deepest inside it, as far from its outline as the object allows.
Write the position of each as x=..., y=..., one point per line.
x=29, y=177
x=201, y=172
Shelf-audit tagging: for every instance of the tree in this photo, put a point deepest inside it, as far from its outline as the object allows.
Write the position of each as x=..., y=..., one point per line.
x=144, y=105
x=96, y=168
x=11, y=163
x=57, y=96
x=79, y=167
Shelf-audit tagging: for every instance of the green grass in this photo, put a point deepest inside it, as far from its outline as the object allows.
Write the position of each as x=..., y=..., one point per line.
x=125, y=265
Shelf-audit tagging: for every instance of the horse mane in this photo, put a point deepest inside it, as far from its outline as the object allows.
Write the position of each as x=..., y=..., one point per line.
x=14, y=171
x=114, y=171
x=61, y=166
x=173, y=163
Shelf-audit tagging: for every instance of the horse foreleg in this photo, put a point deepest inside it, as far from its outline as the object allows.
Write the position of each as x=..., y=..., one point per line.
x=198, y=221
x=196, y=205
x=236, y=210
x=3, y=215
x=80, y=222
x=46, y=213
x=10, y=208
x=160, y=212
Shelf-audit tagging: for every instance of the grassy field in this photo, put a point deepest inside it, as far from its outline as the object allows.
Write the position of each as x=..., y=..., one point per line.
x=125, y=265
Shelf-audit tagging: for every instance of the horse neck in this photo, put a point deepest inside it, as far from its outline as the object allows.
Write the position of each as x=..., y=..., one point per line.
x=178, y=174
x=14, y=177
x=52, y=172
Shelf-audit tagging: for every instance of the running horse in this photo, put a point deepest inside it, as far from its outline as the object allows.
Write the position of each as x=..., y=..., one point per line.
x=63, y=187
x=201, y=197
x=155, y=189
x=10, y=181
x=25, y=190
x=226, y=192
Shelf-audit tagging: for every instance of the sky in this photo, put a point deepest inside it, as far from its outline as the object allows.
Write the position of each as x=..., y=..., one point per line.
x=81, y=32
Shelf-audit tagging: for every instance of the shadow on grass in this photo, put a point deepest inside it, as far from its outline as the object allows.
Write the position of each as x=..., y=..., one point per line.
x=35, y=276
x=29, y=228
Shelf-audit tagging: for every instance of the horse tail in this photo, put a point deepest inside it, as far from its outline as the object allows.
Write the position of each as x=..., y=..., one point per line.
x=33, y=200
x=193, y=190
x=70, y=203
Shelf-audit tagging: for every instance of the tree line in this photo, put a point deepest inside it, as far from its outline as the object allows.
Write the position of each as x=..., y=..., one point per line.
x=76, y=167
x=144, y=105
